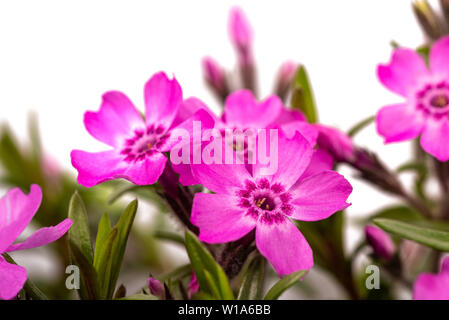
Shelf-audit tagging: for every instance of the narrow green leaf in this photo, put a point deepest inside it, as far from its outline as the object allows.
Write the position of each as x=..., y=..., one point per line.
x=79, y=234
x=167, y=235
x=104, y=265
x=252, y=283
x=104, y=228
x=89, y=285
x=399, y=212
x=360, y=126
x=118, y=250
x=140, y=296
x=302, y=98
x=210, y=275
x=428, y=236
x=285, y=283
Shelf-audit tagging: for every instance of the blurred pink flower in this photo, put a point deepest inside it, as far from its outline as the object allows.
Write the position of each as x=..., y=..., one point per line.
x=244, y=201
x=16, y=212
x=380, y=241
x=156, y=287
x=426, y=90
x=240, y=32
x=194, y=286
x=433, y=286
x=138, y=144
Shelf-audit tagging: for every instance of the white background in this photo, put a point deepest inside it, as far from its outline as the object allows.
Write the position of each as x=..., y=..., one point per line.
x=58, y=57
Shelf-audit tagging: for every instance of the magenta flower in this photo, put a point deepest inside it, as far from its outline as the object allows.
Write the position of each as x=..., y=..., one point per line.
x=16, y=212
x=426, y=90
x=244, y=201
x=137, y=144
x=433, y=286
x=240, y=33
x=156, y=287
x=380, y=241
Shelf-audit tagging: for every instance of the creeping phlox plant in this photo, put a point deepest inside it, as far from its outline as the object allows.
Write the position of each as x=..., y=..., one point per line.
x=253, y=194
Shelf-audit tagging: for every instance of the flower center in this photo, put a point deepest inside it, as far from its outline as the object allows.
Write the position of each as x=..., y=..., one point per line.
x=264, y=198
x=144, y=143
x=439, y=101
x=433, y=99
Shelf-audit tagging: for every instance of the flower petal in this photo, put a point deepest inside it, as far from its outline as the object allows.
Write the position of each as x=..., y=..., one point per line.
x=431, y=287
x=336, y=142
x=16, y=211
x=116, y=119
x=321, y=161
x=147, y=171
x=12, y=279
x=280, y=241
x=289, y=115
x=434, y=138
x=319, y=196
x=439, y=61
x=188, y=108
x=304, y=128
x=95, y=168
x=222, y=178
x=219, y=218
x=243, y=111
x=403, y=72
x=163, y=98
x=399, y=122
x=291, y=158
x=43, y=236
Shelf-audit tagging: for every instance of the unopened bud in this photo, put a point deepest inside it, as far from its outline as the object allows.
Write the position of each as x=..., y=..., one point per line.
x=215, y=77
x=284, y=79
x=427, y=19
x=240, y=30
x=380, y=242
x=156, y=287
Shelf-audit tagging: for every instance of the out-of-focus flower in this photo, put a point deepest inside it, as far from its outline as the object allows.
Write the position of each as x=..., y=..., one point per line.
x=244, y=201
x=16, y=212
x=426, y=110
x=335, y=142
x=156, y=287
x=285, y=78
x=194, y=286
x=380, y=241
x=215, y=77
x=138, y=144
x=433, y=286
x=241, y=33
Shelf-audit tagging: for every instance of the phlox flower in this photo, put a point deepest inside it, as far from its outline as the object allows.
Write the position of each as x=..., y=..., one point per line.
x=16, y=212
x=425, y=111
x=380, y=241
x=433, y=286
x=138, y=145
x=244, y=201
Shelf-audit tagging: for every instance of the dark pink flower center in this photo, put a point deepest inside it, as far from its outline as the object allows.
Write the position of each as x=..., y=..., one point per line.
x=144, y=143
x=433, y=99
x=265, y=199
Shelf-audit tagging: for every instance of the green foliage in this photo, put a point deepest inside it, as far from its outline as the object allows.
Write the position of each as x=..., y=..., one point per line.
x=252, y=285
x=302, y=96
x=284, y=284
x=210, y=275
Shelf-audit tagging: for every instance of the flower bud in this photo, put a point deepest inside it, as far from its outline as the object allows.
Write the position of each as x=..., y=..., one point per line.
x=380, y=242
x=240, y=30
x=285, y=78
x=193, y=286
x=156, y=287
x=427, y=19
x=215, y=77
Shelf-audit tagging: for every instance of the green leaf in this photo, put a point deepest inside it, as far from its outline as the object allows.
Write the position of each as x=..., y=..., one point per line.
x=89, y=285
x=252, y=283
x=428, y=236
x=104, y=228
x=79, y=234
x=399, y=212
x=360, y=126
x=110, y=249
x=420, y=168
x=302, y=97
x=284, y=284
x=167, y=235
x=210, y=275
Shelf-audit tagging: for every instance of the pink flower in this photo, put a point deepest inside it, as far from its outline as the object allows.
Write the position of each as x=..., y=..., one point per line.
x=426, y=90
x=240, y=31
x=194, y=286
x=244, y=201
x=156, y=287
x=16, y=212
x=137, y=144
x=433, y=286
x=335, y=142
x=381, y=242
